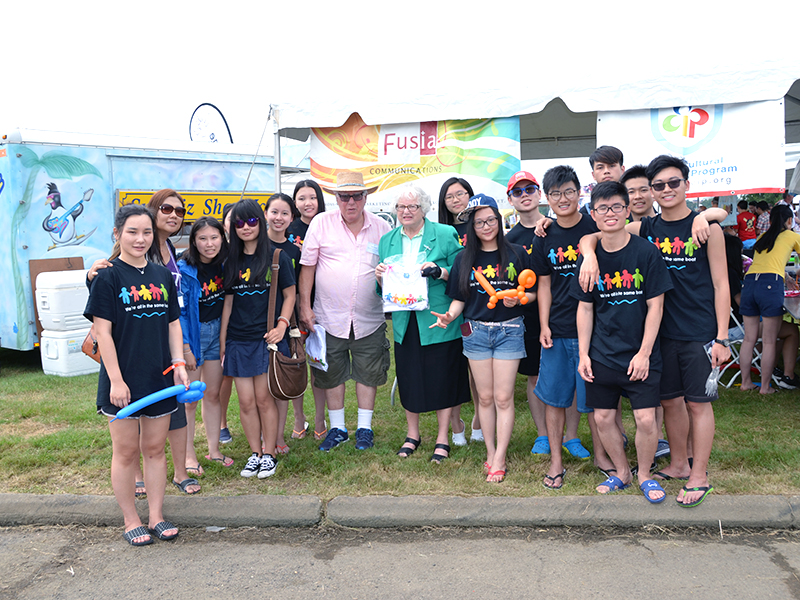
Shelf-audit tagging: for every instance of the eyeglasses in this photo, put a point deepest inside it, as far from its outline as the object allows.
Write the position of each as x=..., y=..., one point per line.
x=673, y=184
x=459, y=195
x=530, y=190
x=168, y=208
x=568, y=194
x=412, y=208
x=345, y=198
x=614, y=208
x=480, y=224
x=251, y=222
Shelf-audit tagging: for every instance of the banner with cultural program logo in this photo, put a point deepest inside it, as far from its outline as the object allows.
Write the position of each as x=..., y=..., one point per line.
x=730, y=148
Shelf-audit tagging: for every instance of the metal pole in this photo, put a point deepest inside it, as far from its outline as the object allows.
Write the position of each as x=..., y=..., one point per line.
x=277, y=154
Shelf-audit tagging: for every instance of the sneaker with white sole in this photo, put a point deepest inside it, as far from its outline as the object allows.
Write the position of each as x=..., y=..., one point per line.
x=267, y=466
x=460, y=439
x=788, y=383
x=225, y=436
x=251, y=468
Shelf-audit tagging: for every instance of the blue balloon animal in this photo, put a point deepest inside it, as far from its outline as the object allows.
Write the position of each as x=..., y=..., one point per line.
x=193, y=394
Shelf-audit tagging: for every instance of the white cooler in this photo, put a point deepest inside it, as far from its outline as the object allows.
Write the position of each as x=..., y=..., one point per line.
x=61, y=353
x=60, y=299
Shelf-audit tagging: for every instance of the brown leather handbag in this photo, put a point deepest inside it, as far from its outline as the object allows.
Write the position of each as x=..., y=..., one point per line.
x=287, y=376
x=90, y=347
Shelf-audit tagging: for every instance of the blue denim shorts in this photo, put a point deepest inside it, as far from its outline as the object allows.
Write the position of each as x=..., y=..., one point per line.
x=559, y=381
x=209, y=341
x=762, y=295
x=504, y=340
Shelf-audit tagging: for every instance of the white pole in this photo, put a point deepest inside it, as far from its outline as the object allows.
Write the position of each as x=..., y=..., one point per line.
x=277, y=154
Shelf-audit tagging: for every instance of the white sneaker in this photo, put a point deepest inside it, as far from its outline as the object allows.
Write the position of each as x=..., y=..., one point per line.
x=476, y=436
x=460, y=439
x=267, y=467
x=251, y=468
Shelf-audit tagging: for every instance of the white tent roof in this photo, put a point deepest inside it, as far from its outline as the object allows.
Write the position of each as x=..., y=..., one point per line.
x=761, y=77
x=516, y=58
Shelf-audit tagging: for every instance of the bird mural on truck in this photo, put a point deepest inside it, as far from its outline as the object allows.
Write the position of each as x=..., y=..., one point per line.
x=60, y=223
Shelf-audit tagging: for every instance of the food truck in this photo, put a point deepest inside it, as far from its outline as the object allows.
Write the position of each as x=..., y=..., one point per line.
x=59, y=192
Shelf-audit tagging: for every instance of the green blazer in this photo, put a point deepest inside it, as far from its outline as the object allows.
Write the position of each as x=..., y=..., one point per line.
x=441, y=244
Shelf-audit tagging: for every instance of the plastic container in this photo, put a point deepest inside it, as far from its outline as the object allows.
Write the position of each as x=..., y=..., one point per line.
x=60, y=299
x=61, y=353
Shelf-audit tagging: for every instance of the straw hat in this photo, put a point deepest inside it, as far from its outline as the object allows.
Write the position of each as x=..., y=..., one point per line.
x=349, y=181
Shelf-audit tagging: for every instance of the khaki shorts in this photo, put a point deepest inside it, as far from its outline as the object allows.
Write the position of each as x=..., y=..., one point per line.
x=366, y=361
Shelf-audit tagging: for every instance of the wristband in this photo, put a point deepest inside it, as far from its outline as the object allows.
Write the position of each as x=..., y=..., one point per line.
x=175, y=364
x=285, y=320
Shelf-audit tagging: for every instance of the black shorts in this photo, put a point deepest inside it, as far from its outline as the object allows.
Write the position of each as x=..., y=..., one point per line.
x=604, y=392
x=530, y=364
x=685, y=371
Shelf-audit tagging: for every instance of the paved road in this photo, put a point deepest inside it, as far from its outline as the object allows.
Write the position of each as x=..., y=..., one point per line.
x=333, y=562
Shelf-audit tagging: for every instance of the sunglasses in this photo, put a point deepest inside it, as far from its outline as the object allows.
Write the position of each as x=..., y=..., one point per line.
x=168, y=208
x=345, y=198
x=673, y=184
x=251, y=222
x=518, y=192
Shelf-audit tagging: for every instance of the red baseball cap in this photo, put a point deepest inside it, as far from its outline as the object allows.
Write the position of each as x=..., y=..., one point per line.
x=520, y=176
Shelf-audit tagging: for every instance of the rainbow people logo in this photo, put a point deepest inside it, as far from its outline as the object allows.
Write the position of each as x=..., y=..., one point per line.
x=685, y=129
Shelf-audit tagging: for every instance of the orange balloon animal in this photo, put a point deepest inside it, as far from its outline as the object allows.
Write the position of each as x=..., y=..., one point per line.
x=526, y=279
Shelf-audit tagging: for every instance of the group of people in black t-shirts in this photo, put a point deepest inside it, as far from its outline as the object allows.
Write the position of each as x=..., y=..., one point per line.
x=590, y=305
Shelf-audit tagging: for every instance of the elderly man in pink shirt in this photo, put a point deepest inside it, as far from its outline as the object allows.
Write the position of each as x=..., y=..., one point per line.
x=340, y=253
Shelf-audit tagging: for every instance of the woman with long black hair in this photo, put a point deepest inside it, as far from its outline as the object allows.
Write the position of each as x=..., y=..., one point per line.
x=492, y=337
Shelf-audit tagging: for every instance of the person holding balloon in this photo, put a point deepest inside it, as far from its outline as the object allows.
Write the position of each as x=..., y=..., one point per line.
x=489, y=283
x=135, y=311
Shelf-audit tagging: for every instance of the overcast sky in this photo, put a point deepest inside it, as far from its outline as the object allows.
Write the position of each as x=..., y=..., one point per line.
x=140, y=69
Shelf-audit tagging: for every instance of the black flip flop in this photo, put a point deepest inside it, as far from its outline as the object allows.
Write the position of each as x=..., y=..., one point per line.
x=185, y=484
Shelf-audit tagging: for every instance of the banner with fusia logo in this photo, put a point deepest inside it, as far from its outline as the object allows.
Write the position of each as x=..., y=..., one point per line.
x=485, y=152
x=730, y=148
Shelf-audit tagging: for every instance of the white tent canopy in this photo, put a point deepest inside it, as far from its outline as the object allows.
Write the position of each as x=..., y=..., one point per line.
x=758, y=79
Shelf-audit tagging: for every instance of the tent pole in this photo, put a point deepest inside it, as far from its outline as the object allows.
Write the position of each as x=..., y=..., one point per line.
x=277, y=152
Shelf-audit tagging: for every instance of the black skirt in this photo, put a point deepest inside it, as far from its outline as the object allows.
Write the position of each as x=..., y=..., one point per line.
x=430, y=377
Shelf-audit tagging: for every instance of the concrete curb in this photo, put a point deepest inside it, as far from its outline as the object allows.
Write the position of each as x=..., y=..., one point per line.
x=570, y=511
x=238, y=511
x=778, y=512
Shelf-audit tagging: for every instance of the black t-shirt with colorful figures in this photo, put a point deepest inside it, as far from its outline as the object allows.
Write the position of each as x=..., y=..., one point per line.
x=140, y=307
x=461, y=230
x=248, y=321
x=524, y=236
x=689, y=308
x=296, y=232
x=557, y=256
x=212, y=291
x=629, y=277
x=293, y=252
x=500, y=277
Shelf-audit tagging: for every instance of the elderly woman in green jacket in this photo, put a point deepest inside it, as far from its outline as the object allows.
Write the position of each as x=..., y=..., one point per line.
x=431, y=369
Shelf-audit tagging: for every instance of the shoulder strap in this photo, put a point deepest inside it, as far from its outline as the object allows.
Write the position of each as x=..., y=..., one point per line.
x=273, y=289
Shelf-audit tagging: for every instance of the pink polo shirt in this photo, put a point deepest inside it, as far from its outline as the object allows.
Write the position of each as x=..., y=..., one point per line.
x=345, y=275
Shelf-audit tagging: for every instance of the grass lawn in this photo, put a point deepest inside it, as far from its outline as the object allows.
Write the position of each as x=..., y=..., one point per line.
x=52, y=441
